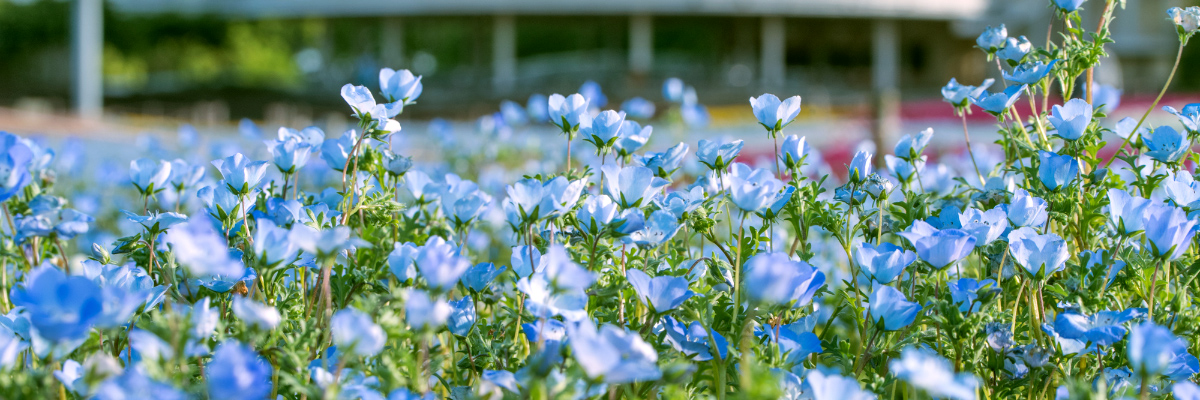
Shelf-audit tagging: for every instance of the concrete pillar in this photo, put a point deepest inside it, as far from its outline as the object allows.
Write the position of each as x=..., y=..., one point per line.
x=641, y=44
x=87, y=51
x=773, y=61
x=504, y=54
x=391, y=43
x=885, y=78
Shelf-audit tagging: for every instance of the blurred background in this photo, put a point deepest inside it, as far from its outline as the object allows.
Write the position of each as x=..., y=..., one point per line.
x=865, y=68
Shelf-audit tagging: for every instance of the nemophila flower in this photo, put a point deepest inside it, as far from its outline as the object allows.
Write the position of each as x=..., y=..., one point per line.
x=241, y=174
x=202, y=318
x=1127, y=212
x=998, y=103
x=597, y=212
x=147, y=175
x=958, y=94
x=992, y=39
x=631, y=186
x=335, y=151
x=61, y=308
x=325, y=242
x=15, y=157
x=860, y=166
x=1015, y=49
x=1189, y=117
x=830, y=386
x=200, y=248
x=939, y=248
x=526, y=260
x=664, y=164
x=567, y=112
x=1187, y=20
x=1026, y=210
x=593, y=93
x=272, y=244
x=661, y=293
x=1068, y=5
x=124, y=290
x=1183, y=365
x=395, y=164
x=1181, y=189
x=1106, y=97
x=1030, y=73
x=1071, y=120
x=603, y=129
x=682, y=202
x=184, y=175
x=11, y=346
x=462, y=316
x=84, y=379
x=481, y=275
x=399, y=86
x=672, y=90
x=778, y=200
x=1039, y=255
x=135, y=384
x=421, y=311
x=544, y=330
x=1169, y=231
x=289, y=155
x=440, y=265
x=1165, y=144
x=774, y=114
x=985, y=226
x=659, y=228
x=1185, y=390
x=796, y=340
x=1102, y=328
x=464, y=203
x=546, y=300
x=775, y=278
x=792, y=151
x=360, y=99
x=312, y=136
x=718, y=156
x=537, y=107
x=904, y=170
x=910, y=147
x=933, y=374
x=237, y=372
x=612, y=354
x=1151, y=349
x=890, y=309
x=882, y=263
x=1056, y=170
x=536, y=200
x=255, y=314
x=223, y=204
x=638, y=107
x=692, y=339
x=999, y=336
x=752, y=195
x=355, y=332
x=631, y=137
x=966, y=292
x=222, y=283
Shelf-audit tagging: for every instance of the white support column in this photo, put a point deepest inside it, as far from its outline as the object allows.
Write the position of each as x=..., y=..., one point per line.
x=87, y=50
x=391, y=43
x=641, y=44
x=885, y=79
x=774, y=51
x=504, y=54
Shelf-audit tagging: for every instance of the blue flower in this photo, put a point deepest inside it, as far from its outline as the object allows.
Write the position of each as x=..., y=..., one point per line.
x=774, y=114
x=1184, y=390
x=775, y=278
x=241, y=175
x=777, y=202
x=661, y=293
x=681, y=202
x=184, y=175
x=223, y=204
x=1039, y=255
x=1169, y=231
x=1106, y=97
x=659, y=228
x=354, y=332
x=312, y=136
x=538, y=108
x=882, y=263
x=1030, y=73
x=440, y=265
x=665, y=163
x=796, y=340
x=61, y=308
x=1056, y=170
x=1071, y=120
x=1026, y=210
x=237, y=372
x=1127, y=212
x=639, y=108
x=273, y=244
x=147, y=175
x=904, y=170
x=1165, y=144
x=200, y=248
x=1102, y=328
x=939, y=248
x=631, y=186
x=567, y=112
x=958, y=94
x=1151, y=349
x=1068, y=5
x=717, y=156
x=860, y=166
x=544, y=330
x=890, y=309
x=256, y=314
x=395, y=164
x=822, y=386
x=593, y=93
x=792, y=151
x=421, y=311
x=992, y=39
x=134, y=384
x=910, y=147
x=612, y=354
x=399, y=86
x=401, y=261
x=1190, y=117
x=672, y=90
x=631, y=137
x=692, y=339
x=966, y=291
x=933, y=374
x=462, y=316
x=1015, y=50
x=289, y=155
x=752, y=195
x=998, y=103
x=985, y=226
x=481, y=275
x=603, y=129
x=325, y=242
x=335, y=151
x=360, y=99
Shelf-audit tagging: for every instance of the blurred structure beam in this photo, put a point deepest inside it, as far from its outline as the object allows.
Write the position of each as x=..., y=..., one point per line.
x=504, y=54
x=87, y=51
x=641, y=44
x=391, y=43
x=885, y=77
x=773, y=61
